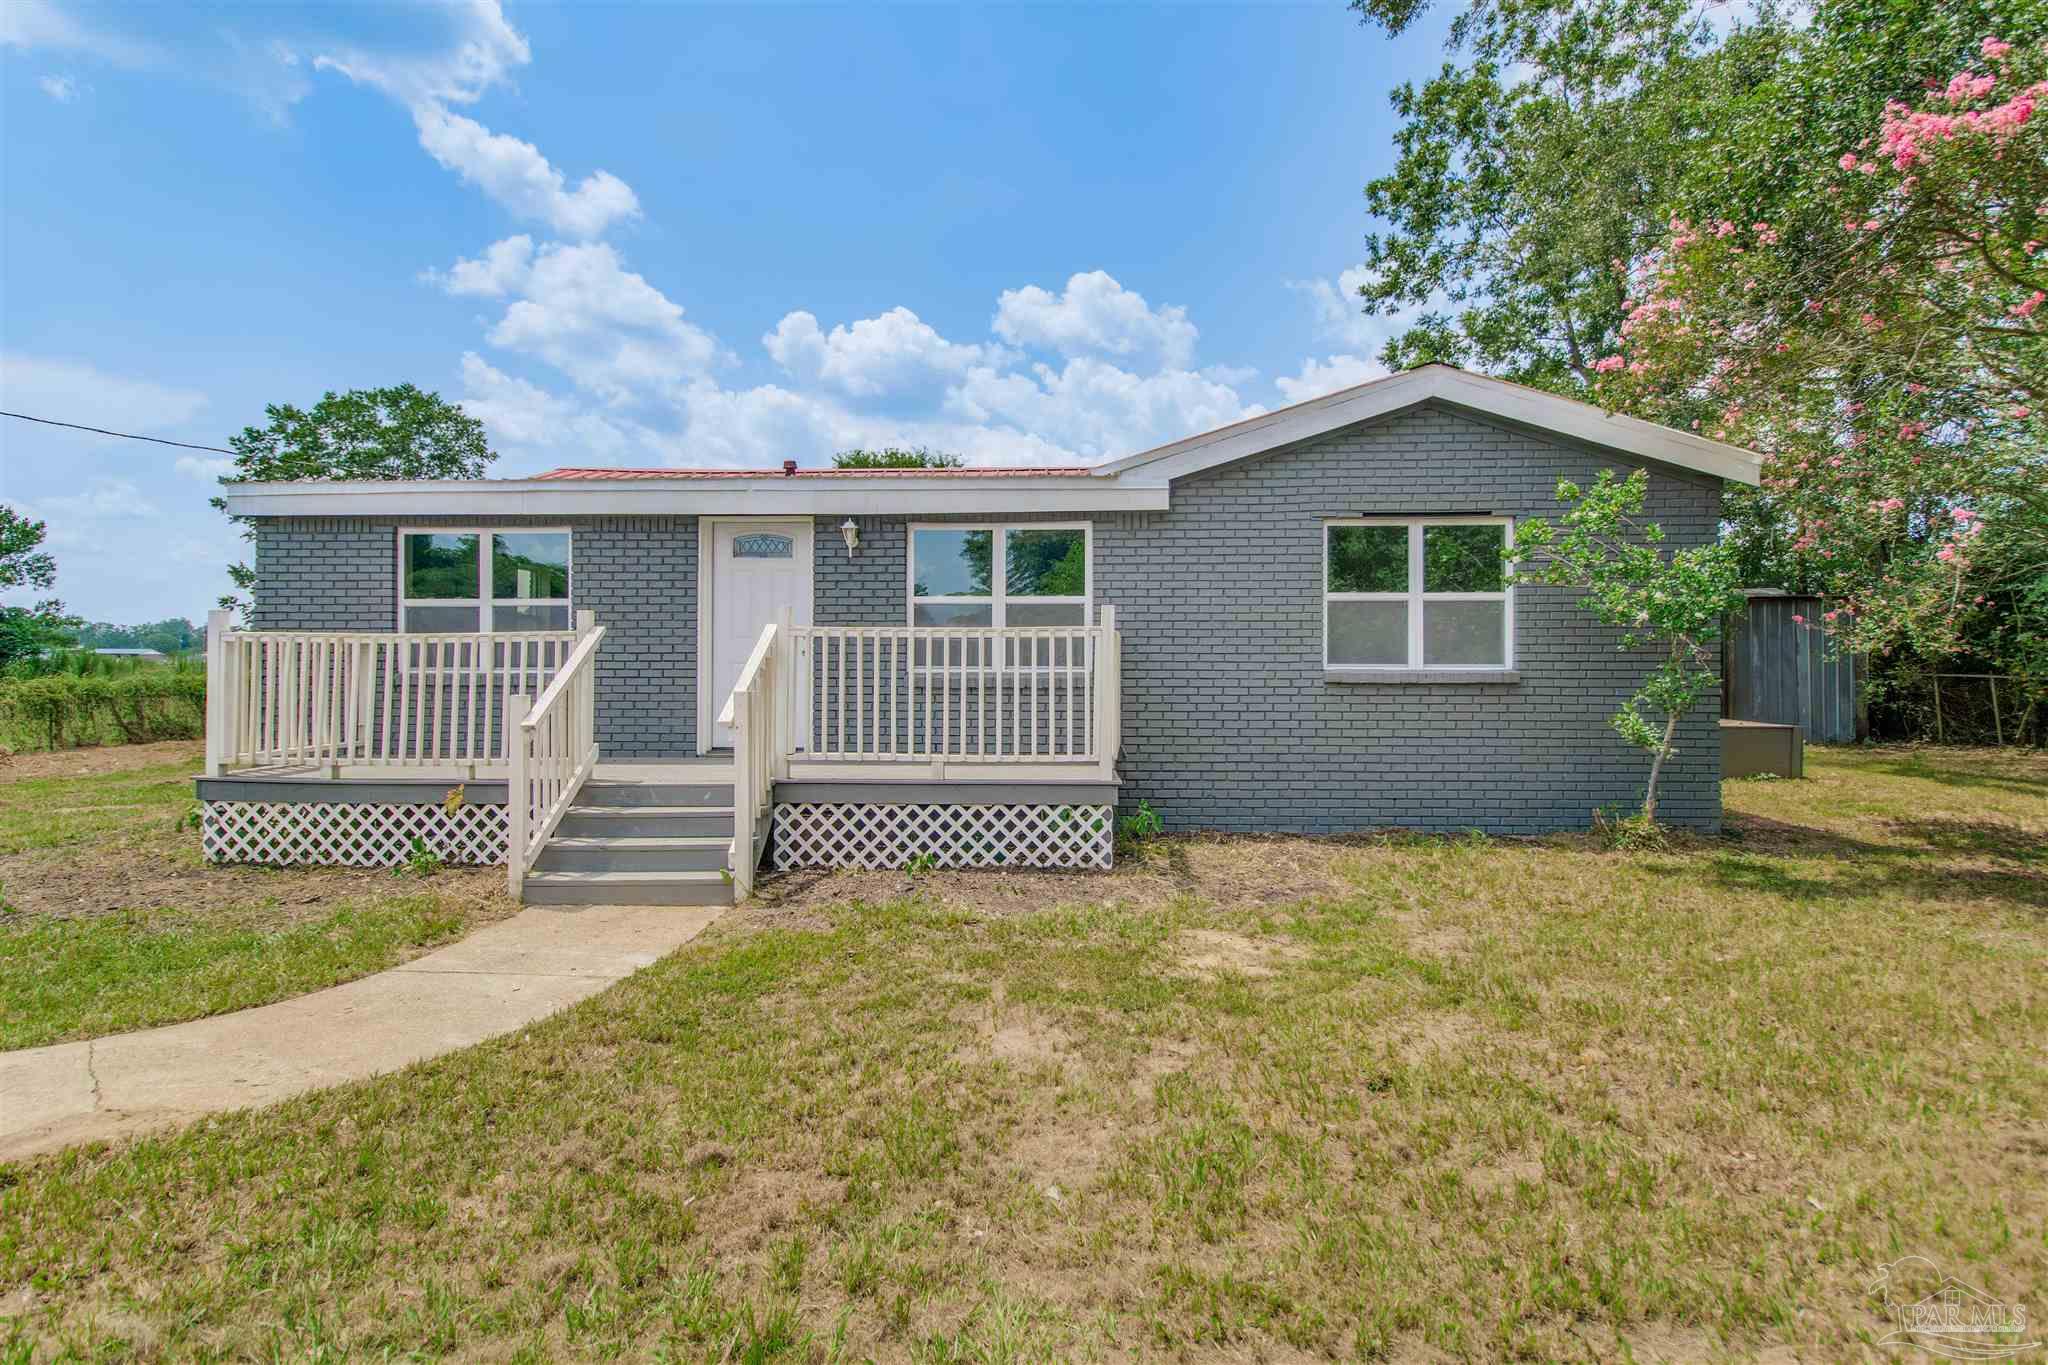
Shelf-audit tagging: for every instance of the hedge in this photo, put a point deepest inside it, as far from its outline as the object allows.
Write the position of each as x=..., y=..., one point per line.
x=62, y=711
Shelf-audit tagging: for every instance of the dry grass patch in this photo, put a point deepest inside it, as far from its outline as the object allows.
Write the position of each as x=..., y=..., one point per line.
x=1482, y=1101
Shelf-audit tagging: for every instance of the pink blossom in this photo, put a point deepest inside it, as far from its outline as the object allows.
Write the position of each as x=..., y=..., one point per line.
x=1848, y=161
x=1873, y=322
x=1946, y=553
x=1797, y=619
x=1607, y=364
x=1724, y=228
x=2021, y=413
x=1766, y=235
x=1963, y=515
x=2026, y=310
x=1993, y=49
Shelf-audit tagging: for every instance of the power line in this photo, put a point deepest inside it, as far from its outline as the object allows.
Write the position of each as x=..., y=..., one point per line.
x=124, y=435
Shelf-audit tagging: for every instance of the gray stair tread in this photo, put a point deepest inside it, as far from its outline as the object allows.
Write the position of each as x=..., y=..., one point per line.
x=637, y=840
x=638, y=811
x=559, y=877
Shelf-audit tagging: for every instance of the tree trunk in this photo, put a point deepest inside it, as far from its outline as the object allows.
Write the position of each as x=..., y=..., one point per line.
x=1657, y=768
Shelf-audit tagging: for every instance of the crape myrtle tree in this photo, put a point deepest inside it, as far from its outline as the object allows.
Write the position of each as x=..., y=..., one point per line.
x=1669, y=605
x=395, y=433
x=1891, y=362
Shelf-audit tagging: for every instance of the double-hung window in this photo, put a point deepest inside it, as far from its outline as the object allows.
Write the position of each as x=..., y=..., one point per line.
x=1416, y=592
x=460, y=581
x=999, y=576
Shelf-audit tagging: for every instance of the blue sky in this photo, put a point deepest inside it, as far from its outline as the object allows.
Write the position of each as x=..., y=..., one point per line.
x=662, y=235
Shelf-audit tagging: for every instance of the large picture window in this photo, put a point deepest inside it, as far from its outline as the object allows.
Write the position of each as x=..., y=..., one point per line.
x=999, y=576
x=483, y=580
x=1417, y=592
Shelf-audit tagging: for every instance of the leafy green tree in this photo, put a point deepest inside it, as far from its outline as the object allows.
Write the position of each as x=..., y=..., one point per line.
x=1671, y=605
x=27, y=632
x=1565, y=135
x=395, y=433
x=894, y=457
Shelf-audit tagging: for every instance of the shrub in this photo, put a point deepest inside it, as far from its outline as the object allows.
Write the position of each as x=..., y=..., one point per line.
x=65, y=710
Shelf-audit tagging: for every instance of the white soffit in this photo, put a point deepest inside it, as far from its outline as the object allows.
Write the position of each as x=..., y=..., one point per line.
x=769, y=496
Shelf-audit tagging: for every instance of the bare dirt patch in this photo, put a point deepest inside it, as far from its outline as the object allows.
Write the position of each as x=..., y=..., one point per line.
x=762, y=1203
x=1237, y=870
x=107, y=758
x=1028, y=1040
x=1209, y=953
x=85, y=882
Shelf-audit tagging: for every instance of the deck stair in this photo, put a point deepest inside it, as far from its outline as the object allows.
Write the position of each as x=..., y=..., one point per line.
x=639, y=843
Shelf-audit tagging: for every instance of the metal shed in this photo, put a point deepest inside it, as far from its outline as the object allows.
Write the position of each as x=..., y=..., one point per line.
x=1788, y=672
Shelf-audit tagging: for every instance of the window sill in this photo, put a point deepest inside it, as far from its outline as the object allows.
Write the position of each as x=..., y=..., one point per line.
x=1354, y=677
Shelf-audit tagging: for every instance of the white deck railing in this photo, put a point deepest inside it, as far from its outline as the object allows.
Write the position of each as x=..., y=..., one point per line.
x=362, y=699
x=553, y=751
x=1022, y=695
x=755, y=713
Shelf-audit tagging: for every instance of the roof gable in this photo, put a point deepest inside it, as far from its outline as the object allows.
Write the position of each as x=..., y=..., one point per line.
x=1482, y=394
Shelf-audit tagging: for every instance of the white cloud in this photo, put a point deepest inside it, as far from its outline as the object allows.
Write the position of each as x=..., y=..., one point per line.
x=205, y=468
x=1328, y=375
x=527, y=421
x=500, y=270
x=579, y=309
x=59, y=88
x=73, y=391
x=100, y=517
x=516, y=175
x=1096, y=409
x=877, y=355
x=1095, y=313
x=30, y=24
x=483, y=50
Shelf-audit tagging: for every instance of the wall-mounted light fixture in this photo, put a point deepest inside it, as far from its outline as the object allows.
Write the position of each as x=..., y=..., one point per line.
x=850, y=533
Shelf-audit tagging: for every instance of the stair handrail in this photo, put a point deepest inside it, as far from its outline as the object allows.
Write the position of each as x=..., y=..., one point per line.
x=552, y=743
x=755, y=716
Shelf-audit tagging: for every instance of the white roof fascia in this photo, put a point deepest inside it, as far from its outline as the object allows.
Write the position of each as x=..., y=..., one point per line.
x=768, y=496
x=1480, y=393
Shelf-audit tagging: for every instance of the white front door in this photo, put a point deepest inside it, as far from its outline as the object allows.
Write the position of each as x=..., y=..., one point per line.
x=760, y=572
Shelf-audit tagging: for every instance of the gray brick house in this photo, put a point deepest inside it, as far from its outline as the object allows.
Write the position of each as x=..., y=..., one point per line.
x=1294, y=623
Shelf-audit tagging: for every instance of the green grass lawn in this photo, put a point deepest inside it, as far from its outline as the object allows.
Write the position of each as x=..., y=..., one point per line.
x=110, y=920
x=1405, y=1099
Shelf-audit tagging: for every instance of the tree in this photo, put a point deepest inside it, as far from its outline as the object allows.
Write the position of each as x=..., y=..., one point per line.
x=1892, y=363
x=893, y=457
x=1671, y=604
x=391, y=433
x=1572, y=131
x=26, y=632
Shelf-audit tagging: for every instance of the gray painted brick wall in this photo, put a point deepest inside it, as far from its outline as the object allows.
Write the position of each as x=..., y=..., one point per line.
x=639, y=574
x=1228, y=721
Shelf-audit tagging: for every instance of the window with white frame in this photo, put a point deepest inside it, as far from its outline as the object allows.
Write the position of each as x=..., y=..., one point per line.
x=999, y=576
x=483, y=580
x=1416, y=592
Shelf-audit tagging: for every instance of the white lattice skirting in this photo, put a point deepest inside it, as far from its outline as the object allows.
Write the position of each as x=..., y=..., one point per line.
x=864, y=834
x=345, y=834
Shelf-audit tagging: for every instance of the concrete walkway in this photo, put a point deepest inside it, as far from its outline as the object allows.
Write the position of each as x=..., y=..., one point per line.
x=503, y=976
